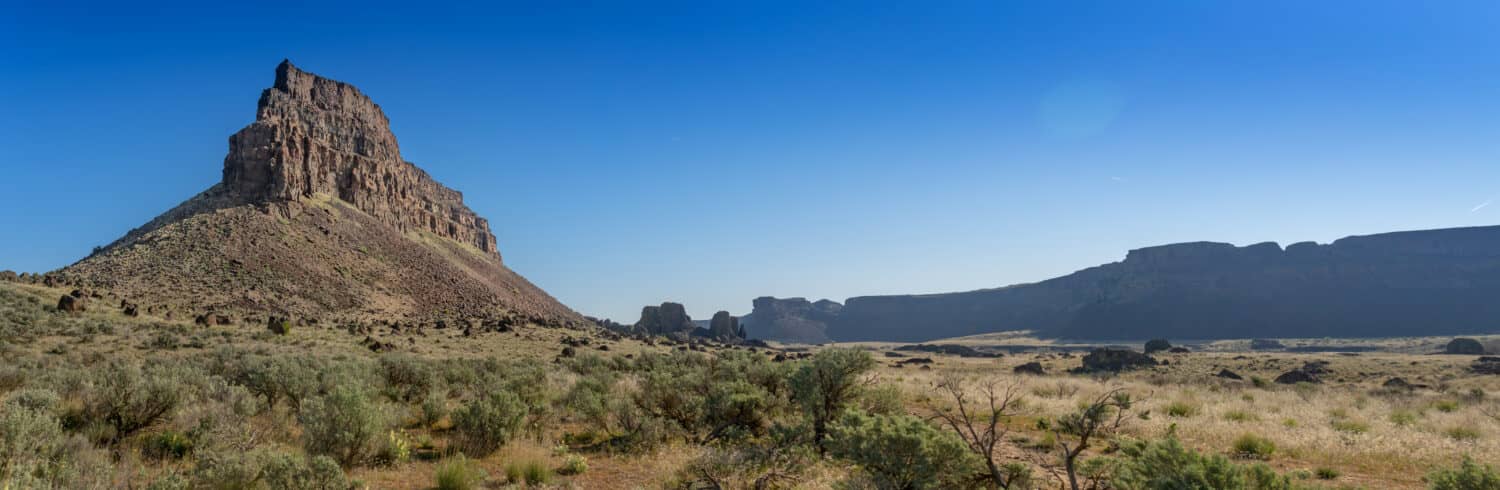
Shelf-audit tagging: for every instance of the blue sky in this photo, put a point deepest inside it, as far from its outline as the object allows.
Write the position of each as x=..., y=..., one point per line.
x=711, y=152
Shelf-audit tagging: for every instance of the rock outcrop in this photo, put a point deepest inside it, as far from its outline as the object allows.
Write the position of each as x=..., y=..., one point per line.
x=319, y=215
x=666, y=319
x=790, y=319
x=1434, y=282
x=314, y=136
x=1114, y=361
x=725, y=327
x=1464, y=346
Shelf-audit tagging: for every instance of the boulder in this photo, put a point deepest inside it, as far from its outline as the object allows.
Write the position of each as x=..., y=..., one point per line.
x=1297, y=376
x=1032, y=367
x=1397, y=384
x=1227, y=374
x=131, y=310
x=1464, y=346
x=1114, y=360
x=1486, y=365
x=1157, y=345
x=72, y=304
x=278, y=325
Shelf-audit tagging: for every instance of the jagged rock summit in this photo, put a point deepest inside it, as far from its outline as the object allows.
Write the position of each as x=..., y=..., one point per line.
x=319, y=215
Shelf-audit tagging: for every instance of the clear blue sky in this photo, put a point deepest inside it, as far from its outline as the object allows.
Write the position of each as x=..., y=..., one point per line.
x=710, y=152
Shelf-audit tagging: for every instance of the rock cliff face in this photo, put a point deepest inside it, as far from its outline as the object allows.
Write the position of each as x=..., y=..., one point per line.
x=665, y=319
x=790, y=319
x=319, y=216
x=1433, y=282
x=313, y=135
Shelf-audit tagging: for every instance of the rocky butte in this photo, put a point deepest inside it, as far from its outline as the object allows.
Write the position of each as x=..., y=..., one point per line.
x=318, y=214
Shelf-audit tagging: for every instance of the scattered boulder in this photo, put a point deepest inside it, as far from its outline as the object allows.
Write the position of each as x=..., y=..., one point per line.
x=131, y=310
x=567, y=352
x=1114, y=361
x=279, y=325
x=1227, y=374
x=1032, y=367
x=950, y=349
x=201, y=320
x=1486, y=365
x=1397, y=384
x=1157, y=345
x=1298, y=375
x=72, y=304
x=1464, y=346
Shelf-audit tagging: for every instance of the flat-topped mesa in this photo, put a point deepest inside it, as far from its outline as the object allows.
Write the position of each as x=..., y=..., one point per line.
x=313, y=135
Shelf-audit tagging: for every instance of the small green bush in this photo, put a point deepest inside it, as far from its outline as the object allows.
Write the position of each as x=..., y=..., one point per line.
x=1467, y=476
x=1403, y=417
x=167, y=445
x=1324, y=473
x=1350, y=426
x=1182, y=409
x=530, y=472
x=128, y=399
x=1446, y=406
x=1252, y=446
x=1463, y=433
x=282, y=470
x=901, y=451
x=574, y=465
x=1240, y=416
x=342, y=424
x=459, y=473
x=486, y=424
x=1163, y=464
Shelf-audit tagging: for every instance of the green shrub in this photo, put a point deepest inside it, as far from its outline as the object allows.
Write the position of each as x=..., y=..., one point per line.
x=824, y=386
x=434, y=408
x=1182, y=409
x=574, y=465
x=459, y=473
x=342, y=424
x=1403, y=417
x=1252, y=446
x=1151, y=465
x=227, y=470
x=1240, y=416
x=128, y=399
x=1464, y=433
x=1324, y=473
x=407, y=379
x=486, y=424
x=901, y=451
x=1350, y=426
x=31, y=446
x=281, y=470
x=1446, y=406
x=531, y=472
x=167, y=445
x=1467, y=476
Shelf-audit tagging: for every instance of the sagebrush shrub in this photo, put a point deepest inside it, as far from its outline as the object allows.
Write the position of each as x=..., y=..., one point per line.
x=282, y=470
x=1151, y=465
x=901, y=451
x=343, y=425
x=1253, y=447
x=1467, y=476
x=826, y=385
x=486, y=424
x=128, y=399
